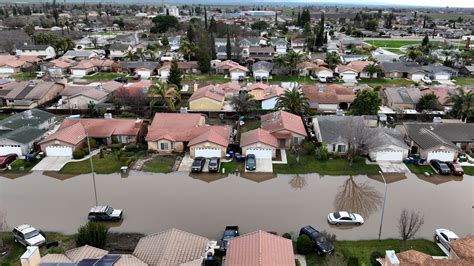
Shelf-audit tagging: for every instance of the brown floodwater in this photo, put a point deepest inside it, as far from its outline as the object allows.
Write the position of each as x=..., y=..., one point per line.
x=204, y=206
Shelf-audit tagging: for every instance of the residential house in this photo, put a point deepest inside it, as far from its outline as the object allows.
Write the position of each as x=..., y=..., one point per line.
x=87, y=96
x=260, y=248
x=20, y=132
x=355, y=69
x=248, y=42
x=86, y=67
x=337, y=132
x=128, y=39
x=79, y=55
x=174, y=43
x=467, y=70
x=91, y=42
x=328, y=98
x=131, y=66
x=44, y=52
x=267, y=95
x=118, y=50
x=190, y=67
x=262, y=69
x=346, y=43
x=307, y=68
x=58, y=68
x=260, y=143
x=386, y=144
x=73, y=132
x=219, y=42
x=221, y=52
x=261, y=53
x=409, y=70
x=179, y=132
x=207, y=98
x=286, y=127
x=442, y=93
x=401, y=98
x=280, y=45
x=298, y=45
x=439, y=72
x=29, y=94
x=10, y=64
x=442, y=141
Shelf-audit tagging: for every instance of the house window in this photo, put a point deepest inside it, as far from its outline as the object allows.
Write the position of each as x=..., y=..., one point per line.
x=164, y=146
x=341, y=148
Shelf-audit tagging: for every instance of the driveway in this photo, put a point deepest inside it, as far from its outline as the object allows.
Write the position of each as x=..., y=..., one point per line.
x=446, y=82
x=393, y=167
x=263, y=166
x=52, y=163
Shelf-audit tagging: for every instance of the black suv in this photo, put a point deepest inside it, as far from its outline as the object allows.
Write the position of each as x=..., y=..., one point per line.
x=440, y=167
x=229, y=233
x=320, y=244
x=198, y=164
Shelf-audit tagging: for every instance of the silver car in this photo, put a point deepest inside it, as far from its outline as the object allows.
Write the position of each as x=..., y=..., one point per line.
x=346, y=218
x=444, y=236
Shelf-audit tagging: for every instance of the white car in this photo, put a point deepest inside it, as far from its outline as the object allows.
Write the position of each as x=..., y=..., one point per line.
x=344, y=217
x=27, y=235
x=426, y=80
x=444, y=236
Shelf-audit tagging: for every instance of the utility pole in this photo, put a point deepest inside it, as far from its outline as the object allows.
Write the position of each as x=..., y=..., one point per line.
x=92, y=169
x=383, y=207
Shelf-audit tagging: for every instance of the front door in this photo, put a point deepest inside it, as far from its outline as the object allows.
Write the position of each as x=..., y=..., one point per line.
x=282, y=143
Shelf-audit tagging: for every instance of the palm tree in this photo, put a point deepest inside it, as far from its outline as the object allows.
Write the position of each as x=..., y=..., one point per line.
x=186, y=48
x=463, y=101
x=333, y=59
x=162, y=91
x=131, y=56
x=293, y=101
x=372, y=69
x=243, y=103
x=291, y=60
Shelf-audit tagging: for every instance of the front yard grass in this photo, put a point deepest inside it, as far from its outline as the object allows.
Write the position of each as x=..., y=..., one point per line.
x=105, y=76
x=279, y=79
x=465, y=81
x=250, y=125
x=420, y=169
x=218, y=78
x=24, y=76
x=337, y=166
x=468, y=170
x=383, y=81
x=107, y=165
x=392, y=43
x=161, y=164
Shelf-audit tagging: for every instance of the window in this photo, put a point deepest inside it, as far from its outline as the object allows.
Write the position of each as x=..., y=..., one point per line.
x=164, y=146
x=341, y=148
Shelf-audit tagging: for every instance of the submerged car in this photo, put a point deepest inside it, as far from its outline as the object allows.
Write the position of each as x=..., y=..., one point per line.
x=440, y=167
x=198, y=164
x=444, y=236
x=214, y=164
x=456, y=168
x=320, y=243
x=27, y=235
x=344, y=217
x=104, y=213
x=250, y=162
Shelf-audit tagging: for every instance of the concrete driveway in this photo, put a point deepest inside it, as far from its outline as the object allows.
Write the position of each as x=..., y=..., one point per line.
x=52, y=163
x=263, y=166
x=393, y=167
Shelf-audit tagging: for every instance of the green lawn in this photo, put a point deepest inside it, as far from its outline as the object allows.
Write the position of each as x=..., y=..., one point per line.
x=395, y=50
x=384, y=81
x=279, y=79
x=389, y=43
x=229, y=167
x=105, y=76
x=339, y=166
x=469, y=170
x=420, y=169
x=107, y=165
x=211, y=77
x=24, y=76
x=465, y=81
x=250, y=125
x=161, y=164
x=22, y=163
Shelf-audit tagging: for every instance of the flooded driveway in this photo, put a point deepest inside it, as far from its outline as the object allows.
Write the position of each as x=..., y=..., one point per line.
x=156, y=202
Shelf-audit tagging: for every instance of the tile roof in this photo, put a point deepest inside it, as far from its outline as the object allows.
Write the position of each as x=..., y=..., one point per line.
x=260, y=249
x=258, y=135
x=384, y=137
x=214, y=92
x=333, y=93
x=85, y=252
x=73, y=135
x=441, y=92
x=402, y=95
x=281, y=120
x=216, y=134
x=129, y=260
x=357, y=66
x=463, y=247
x=103, y=128
x=266, y=92
x=55, y=258
x=170, y=247
x=178, y=126
x=30, y=90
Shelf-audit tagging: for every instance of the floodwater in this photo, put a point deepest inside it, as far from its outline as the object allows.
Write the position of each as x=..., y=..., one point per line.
x=156, y=202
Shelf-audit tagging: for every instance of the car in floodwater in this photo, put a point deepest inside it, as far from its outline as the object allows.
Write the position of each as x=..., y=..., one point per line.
x=104, y=213
x=345, y=218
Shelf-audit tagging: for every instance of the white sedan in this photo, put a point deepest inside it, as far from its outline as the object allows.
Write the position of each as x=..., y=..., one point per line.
x=344, y=217
x=444, y=236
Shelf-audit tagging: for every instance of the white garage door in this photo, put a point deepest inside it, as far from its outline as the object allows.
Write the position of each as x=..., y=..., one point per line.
x=6, y=149
x=260, y=153
x=441, y=155
x=417, y=77
x=442, y=77
x=388, y=155
x=58, y=151
x=207, y=152
x=349, y=76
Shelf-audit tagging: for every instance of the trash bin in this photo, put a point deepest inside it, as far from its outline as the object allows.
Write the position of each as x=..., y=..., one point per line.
x=124, y=169
x=228, y=156
x=231, y=153
x=411, y=160
x=238, y=157
x=421, y=161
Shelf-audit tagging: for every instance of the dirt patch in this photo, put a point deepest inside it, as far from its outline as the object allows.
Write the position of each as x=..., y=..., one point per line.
x=122, y=242
x=14, y=175
x=58, y=175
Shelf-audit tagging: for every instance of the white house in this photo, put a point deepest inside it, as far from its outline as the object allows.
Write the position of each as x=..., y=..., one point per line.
x=45, y=52
x=174, y=43
x=280, y=45
x=144, y=72
x=262, y=69
x=237, y=72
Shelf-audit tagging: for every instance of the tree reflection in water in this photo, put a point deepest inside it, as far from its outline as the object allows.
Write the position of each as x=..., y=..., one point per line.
x=357, y=197
x=298, y=182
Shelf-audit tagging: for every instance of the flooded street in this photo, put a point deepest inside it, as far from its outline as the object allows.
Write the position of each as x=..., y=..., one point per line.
x=156, y=202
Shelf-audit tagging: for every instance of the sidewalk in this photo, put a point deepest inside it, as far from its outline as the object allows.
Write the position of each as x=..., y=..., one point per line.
x=283, y=158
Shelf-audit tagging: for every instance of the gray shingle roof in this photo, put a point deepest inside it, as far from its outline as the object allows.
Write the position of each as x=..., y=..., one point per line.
x=403, y=67
x=431, y=135
x=383, y=137
x=21, y=119
x=335, y=128
x=24, y=135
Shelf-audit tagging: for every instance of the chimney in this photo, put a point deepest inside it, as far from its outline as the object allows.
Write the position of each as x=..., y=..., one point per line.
x=31, y=257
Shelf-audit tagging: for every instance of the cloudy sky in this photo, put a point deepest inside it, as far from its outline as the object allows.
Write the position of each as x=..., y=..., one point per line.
x=439, y=3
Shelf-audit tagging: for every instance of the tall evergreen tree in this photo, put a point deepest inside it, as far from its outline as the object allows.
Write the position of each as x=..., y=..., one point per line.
x=228, y=46
x=190, y=33
x=205, y=18
x=175, y=74
x=425, y=41
x=204, y=59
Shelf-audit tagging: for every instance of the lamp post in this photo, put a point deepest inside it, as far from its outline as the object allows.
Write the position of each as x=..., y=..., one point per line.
x=92, y=169
x=383, y=207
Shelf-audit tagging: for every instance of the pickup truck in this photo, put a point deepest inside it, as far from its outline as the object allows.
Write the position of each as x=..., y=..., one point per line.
x=229, y=233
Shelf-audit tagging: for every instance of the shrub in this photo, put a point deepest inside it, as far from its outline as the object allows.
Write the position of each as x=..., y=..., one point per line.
x=85, y=151
x=322, y=153
x=116, y=146
x=128, y=115
x=93, y=143
x=308, y=147
x=297, y=262
x=374, y=256
x=56, y=250
x=287, y=236
x=304, y=245
x=92, y=234
x=129, y=162
x=353, y=261
x=330, y=237
x=78, y=154
x=101, y=153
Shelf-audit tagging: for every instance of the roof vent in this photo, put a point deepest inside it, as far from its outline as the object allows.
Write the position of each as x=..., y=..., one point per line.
x=27, y=114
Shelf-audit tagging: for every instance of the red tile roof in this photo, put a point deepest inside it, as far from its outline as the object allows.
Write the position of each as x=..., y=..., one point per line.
x=213, y=92
x=333, y=93
x=258, y=135
x=356, y=66
x=216, y=134
x=104, y=128
x=260, y=249
x=281, y=120
x=72, y=135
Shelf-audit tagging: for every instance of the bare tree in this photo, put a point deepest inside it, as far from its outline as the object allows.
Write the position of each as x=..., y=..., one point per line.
x=335, y=260
x=357, y=135
x=410, y=223
x=94, y=41
x=357, y=197
x=298, y=182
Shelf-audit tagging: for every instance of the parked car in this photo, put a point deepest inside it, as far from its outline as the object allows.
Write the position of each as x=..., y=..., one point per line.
x=426, y=80
x=444, y=236
x=27, y=235
x=105, y=213
x=250, y=162
x=322, y=79
x=440, y=167
x=121, y=79
x=229, y=233
x=214, y=164
x=320, y=244
x=40, y=74
x=198, y=164
x=6, y=160
x=329, y=79
x=456, y=168
x=344, y=217
x=241, y=78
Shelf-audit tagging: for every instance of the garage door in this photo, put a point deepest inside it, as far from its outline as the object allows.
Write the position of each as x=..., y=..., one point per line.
x=417, y=77
x=392, y=156
x=6, y=149
x=260, y=153
x=349, y=76
x=441, y=155
x=59, y=151
x=207, y=152
x=442, y=77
